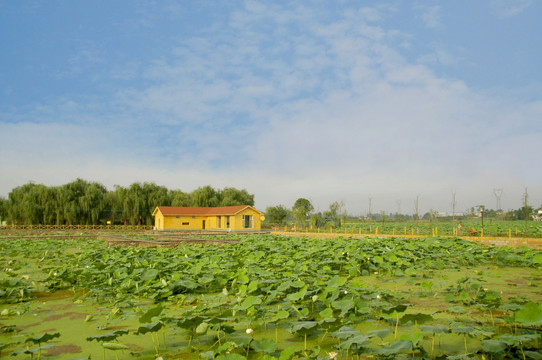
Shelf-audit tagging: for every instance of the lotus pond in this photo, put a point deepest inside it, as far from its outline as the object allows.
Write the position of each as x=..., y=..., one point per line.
x=270, y=297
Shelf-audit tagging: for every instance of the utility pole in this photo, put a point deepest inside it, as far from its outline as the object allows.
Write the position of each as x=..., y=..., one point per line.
x=417, y=213
x=370, y=211
x=453, y=212
x=526, y=209
x=498, y=194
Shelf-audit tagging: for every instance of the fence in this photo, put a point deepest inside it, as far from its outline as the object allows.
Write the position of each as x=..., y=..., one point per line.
x=406, y=231
x=77, y=227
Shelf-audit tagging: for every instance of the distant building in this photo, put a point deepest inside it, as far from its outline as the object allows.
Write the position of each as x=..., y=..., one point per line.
x=241, y=217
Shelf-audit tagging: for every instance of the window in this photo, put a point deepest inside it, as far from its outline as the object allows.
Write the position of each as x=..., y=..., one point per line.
x=247, y=221
x=186, y=223
x=218, y=221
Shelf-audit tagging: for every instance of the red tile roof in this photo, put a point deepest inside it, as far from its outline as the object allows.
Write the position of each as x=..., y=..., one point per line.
x=185, y=210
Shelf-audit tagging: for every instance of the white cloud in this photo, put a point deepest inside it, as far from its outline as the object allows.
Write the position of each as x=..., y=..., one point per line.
x=288, y=103
x=430, y=15
x=509, y=8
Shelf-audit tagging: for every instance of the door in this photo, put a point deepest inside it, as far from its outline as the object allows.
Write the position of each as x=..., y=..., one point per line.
x=203, y=224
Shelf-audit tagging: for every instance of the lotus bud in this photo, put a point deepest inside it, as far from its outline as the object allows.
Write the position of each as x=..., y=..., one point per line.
x=249, y=331
x=314, y=298
x=332, y=355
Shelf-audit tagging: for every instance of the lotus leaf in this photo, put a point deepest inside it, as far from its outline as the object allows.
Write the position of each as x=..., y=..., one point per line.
x=150, y=327
x=303, y=327
x=42, y=338
x=147, y=317
x=114, y=346
x=110, y=336
x=494, y=346
x=264, y=346
x=394, y=348
x=288, y=353
x=417, y=318
x=531, y=314
x=358, y=340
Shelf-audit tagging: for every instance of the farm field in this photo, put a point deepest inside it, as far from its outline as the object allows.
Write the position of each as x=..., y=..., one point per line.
x=492, y=227
x=270, y=296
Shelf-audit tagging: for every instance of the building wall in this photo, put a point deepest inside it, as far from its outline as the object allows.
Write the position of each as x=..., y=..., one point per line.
x=213, y=222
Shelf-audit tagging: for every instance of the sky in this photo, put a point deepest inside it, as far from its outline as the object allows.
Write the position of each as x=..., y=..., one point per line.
x=364, y=102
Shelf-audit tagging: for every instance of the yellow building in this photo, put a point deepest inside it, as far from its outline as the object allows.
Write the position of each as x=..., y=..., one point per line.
x=241, y=217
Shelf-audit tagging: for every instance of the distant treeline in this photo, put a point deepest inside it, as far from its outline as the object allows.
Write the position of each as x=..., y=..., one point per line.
x=84, y=203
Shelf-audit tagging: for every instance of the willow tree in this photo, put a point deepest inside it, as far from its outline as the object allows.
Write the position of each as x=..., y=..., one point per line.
x=205, y=196
x=179, y=198
x=25, y=204
x=154, y=196
x=231, y=196
x=92, y=203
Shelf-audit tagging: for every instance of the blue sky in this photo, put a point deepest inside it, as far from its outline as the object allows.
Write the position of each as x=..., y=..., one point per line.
x=328, y=100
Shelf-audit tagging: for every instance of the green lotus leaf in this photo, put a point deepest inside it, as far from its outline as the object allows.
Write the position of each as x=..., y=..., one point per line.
x=516, y=340
x=298, y=295
x=250, y=301
x=358, y=340
x=42, y=338
x=264, y=346
x=345, y=332
x=232, y=356
x=344, y=305
x=414, y=337
x=280, y=315
x=288, y=353
x=531, y=314
x=147, y=317
x=114, y=346
x=150, y=327
x=110, y=336
x=435, y=329
x=394, y=348
x=535, y=355
x=494, y=346
x=303, y=327
x=381, y=333
x=417, y=318
x=31, y=351
x=327, y=313
x=202, y=328
x=149, y=274
x=394, y=309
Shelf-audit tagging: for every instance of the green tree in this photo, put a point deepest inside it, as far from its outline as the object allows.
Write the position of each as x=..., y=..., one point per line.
x=179, y=198
x=205, y=196
x=335, y=212
x=3, y=209
x=302, y=211
x=231, y=196
x=134, y=204
x=318, y=220
x=26, y=204
x=154, y=195
x=276, y=214
x=92, y=203
x=114, y=205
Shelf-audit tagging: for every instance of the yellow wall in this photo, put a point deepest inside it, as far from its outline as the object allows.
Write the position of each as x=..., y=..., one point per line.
x=162, y=222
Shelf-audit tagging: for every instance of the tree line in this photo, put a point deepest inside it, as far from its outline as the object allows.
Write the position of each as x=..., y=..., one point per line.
x=82, y=202
x=302, y=214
